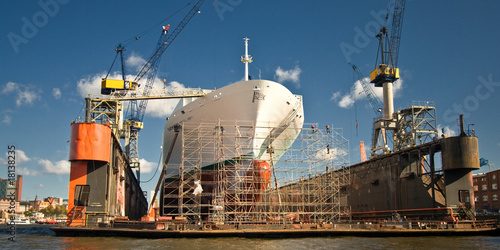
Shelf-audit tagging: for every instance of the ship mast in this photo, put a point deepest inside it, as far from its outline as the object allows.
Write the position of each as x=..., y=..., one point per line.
x=246, y=58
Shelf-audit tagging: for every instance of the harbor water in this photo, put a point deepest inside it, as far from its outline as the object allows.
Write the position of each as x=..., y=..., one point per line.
x=41, y=237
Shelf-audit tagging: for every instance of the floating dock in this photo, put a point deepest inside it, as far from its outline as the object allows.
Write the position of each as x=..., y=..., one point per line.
x=310, y=188
x=362, y=229
x=398, y=194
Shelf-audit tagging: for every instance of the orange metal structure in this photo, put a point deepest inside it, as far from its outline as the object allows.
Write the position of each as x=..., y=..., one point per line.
x=362, y=151
x=90, y=141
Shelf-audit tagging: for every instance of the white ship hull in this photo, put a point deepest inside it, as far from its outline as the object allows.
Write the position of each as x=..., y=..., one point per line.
x=274, y=112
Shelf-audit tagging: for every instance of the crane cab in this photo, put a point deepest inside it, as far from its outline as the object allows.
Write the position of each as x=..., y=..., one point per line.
x=134, y=125
x=383, y=74
x=109, y=85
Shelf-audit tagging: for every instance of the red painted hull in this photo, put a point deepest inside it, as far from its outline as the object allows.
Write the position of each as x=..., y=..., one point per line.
x=241, y=194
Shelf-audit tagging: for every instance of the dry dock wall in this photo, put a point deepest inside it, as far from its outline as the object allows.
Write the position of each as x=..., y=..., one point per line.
x=102, y=185
x=413, y=181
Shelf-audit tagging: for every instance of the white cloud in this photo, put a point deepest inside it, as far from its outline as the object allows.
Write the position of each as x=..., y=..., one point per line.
x=335, y=96
x=163, y=108
x=357, y=93
x=330, y=154
x=21, y=157
x=26, y=97
x=292, y=75
x=134, y=62
x=27, y=171
x=38, y=186
x=91, y=84
x=28, y=166
x=59, y=167
x=56, y=93
x=146, y=166
x=9, y=87
x=25, y=94
x=346, y=101
x=6, y=119
x=447, y=131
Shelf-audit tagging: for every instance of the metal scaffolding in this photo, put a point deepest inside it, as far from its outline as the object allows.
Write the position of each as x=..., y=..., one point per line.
x=416, y=125
x=250, y=173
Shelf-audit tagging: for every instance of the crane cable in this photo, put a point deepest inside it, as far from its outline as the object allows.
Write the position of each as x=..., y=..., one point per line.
x=138, y=36
x=157, y=167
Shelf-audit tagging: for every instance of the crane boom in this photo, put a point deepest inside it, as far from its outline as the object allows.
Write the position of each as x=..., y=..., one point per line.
x=372, y=98
x=158, y=53
x=397, y=27
x=137, y=110
x=150, y=69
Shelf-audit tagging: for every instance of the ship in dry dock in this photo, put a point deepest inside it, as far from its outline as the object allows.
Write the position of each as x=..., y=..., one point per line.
x=275, y=114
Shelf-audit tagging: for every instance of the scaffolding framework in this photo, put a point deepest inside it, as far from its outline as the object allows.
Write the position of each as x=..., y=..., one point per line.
x=248, y=182
x=104, y=112
x=416, y=125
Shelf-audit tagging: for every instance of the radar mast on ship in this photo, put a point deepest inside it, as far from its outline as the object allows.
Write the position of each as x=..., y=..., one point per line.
x=246, y=58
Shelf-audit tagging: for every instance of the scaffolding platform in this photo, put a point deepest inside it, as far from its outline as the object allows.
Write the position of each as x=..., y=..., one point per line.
x=301, y=180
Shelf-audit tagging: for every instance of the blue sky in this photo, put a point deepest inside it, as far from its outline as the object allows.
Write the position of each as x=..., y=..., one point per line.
x=53, y=51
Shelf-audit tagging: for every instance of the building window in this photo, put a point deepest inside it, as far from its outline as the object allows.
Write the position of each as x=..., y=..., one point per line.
x=494, y=197
x=484, y=187
x=494, y=186
x=482, y=179
x=493, y=176
x=475, y=188
x=467, y=199
x=476, y=199
x=485, y=197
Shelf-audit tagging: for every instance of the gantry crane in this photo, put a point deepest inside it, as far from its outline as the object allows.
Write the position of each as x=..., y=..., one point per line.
x=385, y=73
x=134, y=124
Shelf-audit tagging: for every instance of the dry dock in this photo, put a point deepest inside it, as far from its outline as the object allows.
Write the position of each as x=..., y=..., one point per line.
x=389, y=229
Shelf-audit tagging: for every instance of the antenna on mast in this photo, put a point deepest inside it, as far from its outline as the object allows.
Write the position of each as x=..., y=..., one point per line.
x=246, y=58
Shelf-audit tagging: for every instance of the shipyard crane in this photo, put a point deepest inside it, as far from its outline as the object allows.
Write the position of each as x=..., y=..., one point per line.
x=386, y=70
x=375, y=103
x=134, y=123
x=385, y=73
x=109, y=86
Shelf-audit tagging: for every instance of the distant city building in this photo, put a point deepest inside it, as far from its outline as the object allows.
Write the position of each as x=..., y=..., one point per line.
x=486, y=191
x=19, y=187
x=4, y=186
x=49, y=201
x=36, y=204
x=5, y=206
